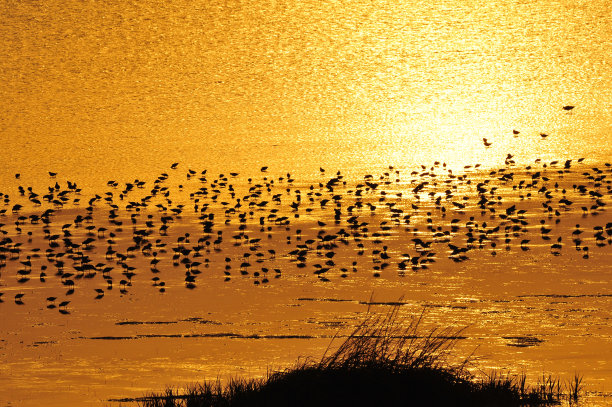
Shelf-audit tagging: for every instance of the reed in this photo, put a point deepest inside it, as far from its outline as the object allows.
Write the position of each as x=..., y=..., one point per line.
x=574, y=388
x=384, y=361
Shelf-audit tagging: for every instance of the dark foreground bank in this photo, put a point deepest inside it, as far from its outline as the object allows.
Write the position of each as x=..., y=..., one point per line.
x=383, y=362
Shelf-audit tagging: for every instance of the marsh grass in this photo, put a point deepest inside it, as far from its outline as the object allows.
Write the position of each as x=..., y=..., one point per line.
x=384, y=361
x=574, y=388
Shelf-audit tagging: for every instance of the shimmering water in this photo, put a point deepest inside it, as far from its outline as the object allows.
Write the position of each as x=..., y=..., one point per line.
x=119, y=91
x=123, y=89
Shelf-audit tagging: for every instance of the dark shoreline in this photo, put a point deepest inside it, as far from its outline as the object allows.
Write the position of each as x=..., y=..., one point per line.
x=384, y=361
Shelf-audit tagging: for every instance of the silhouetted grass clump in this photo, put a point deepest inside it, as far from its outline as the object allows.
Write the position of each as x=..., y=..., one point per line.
x=384, y=362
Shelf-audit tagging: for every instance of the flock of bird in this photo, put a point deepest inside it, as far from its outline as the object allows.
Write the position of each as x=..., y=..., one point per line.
x=187, y=225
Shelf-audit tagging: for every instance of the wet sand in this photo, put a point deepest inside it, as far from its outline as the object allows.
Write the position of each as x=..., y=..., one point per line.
x=205, y=276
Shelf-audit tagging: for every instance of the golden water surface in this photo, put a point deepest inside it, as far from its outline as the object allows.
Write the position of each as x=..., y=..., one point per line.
x=124, y=89
x=118, y=91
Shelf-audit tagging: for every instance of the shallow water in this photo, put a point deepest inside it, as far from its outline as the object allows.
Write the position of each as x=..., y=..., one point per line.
x=526, y=308
x=118, y=92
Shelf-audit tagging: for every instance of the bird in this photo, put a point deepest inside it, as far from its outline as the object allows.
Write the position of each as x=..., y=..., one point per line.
x=543, y=135
x=174, y=165
x=62, y=307
x=568, y=107
x=515, y=132
x=264, y=169
x=486, y=143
